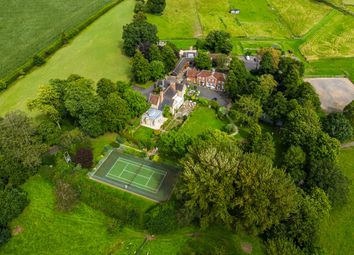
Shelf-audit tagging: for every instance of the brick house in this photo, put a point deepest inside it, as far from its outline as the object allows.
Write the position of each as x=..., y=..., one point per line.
x=205, y=78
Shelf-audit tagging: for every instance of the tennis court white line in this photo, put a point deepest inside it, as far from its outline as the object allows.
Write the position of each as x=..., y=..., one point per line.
x=112, y=167
x=144, y=166
x=123, y=170
x=134, y=183
x=137, y=174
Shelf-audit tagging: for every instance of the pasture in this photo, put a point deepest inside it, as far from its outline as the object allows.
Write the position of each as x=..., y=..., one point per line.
x=94, y=53
x=333, y=39
x=300, y=15
x=337, y=233
x=29, y=26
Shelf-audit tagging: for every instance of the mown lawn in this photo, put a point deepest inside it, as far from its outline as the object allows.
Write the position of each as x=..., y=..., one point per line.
x=29, y=26
x=95, y=53
x=200, y=120
x=337, y=234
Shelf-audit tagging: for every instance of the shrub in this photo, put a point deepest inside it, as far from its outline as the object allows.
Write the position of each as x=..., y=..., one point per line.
x=38, y=60
x=162, y=219
x=3, y=85
x=12, y=203
x=4, y=235
x=66, y=196
x=84, y=157
x=114, y=226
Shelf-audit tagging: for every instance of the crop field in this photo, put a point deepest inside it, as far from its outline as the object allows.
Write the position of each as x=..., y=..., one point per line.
x=29, y=26
x=94, y=54
x=300, y=15
x=334, y=39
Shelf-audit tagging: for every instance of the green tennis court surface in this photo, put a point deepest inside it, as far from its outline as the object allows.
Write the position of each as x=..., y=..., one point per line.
x=136, y=175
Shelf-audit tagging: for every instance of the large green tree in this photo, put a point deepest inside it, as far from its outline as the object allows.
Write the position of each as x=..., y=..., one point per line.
x=140, y=68
x=169, y=58
x=349, y=112
x=157, y=70
x=203, y=60
x=219, y=41
x=137, y=33
x=338, y=126
x=225, y=185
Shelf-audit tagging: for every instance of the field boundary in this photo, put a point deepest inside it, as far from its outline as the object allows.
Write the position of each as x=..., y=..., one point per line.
x=62, y=40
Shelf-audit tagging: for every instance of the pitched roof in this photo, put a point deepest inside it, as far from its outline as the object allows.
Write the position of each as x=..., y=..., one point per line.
x=179, y=87
x=217, y=75
x=192, y=72
x=154, y=99
x=204, y=73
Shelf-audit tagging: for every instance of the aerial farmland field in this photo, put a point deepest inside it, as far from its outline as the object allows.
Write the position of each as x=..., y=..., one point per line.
x=334, y=39
x=29, y=26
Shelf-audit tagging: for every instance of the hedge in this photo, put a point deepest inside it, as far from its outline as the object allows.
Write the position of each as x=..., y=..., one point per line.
x=45, y=53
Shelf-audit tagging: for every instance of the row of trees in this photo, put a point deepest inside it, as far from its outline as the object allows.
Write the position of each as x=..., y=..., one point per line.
x=109, y=107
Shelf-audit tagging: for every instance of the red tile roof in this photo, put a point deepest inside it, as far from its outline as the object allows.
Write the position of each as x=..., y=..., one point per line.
x=192, y=73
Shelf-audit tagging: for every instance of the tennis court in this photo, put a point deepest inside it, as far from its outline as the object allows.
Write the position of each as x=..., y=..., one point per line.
x=136, y=175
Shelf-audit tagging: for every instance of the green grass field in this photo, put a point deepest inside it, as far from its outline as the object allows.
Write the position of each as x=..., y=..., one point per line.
x=337, y=234
x=46, y=231
x=84, y=231
x=95, y=53
x=331, y=67
x=334, y=39
x=200, y=120
x=27, y=26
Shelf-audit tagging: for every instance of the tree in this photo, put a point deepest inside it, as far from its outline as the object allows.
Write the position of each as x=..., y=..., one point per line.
x=267, y=65
x=136, y=102
x=5, y=235
x=286, y=62
x=38, y=60
x=294, y=162
x=203, y=60
x=84, y=157
x=138, y=32
x=12, y=203
x=303, y=225
x=272, y=59
x=169, y=58
x=156, y=6
x=308, y=96
x=174, y=144
x=326, y=175
x=338, y=126
x=237, y=81
x=139, y=6
x=219, y=41
x=154, y=53
x=302, y=127
x=49, y=132
x=349, y=113
x=115, y=113
x=282, y=246
x=225, y=185
x=18, y=141
x=323, y=147
x=105, y=87
x=267, y=85
x=140, y=68
x=167, y=111
x=48, y=102
x=276, y=107
x=157, y=70
x=291, y=81
x=263, y=145
x=250, y=109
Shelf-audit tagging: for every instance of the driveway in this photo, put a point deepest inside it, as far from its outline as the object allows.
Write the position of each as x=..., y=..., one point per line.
x=334, y=93
x=144, y=92
x=211, y=94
